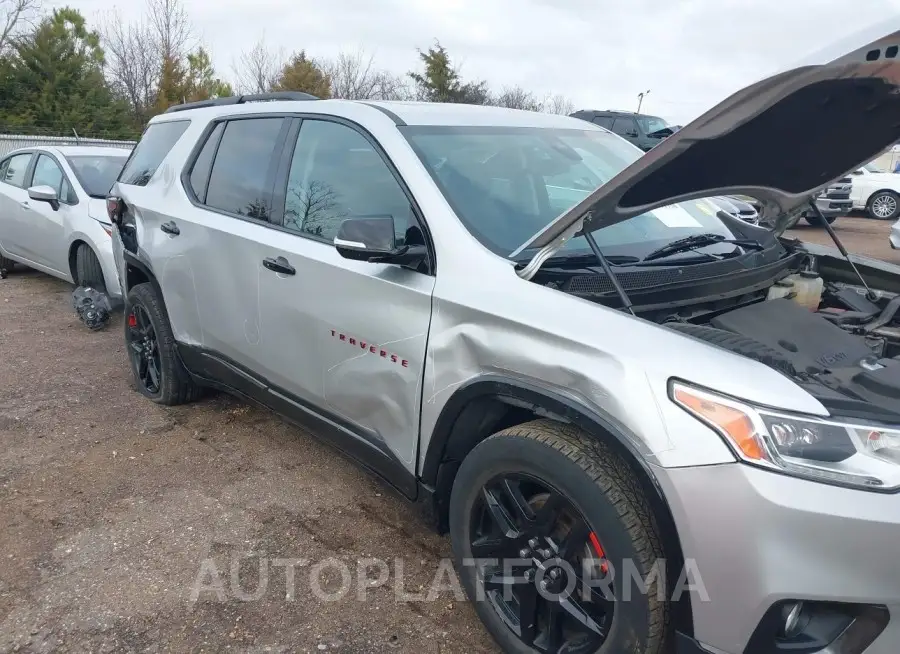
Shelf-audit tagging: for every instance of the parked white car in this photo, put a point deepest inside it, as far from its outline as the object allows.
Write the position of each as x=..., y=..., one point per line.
x=895, y=236
x=53, y=214
x=877, y=192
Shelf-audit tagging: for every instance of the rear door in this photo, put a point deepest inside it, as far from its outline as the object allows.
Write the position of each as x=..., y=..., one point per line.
x=211, y=269
x=346, y=336
x=13, y=204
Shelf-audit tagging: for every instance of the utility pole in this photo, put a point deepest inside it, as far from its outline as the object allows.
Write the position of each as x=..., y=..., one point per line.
x=641, y=99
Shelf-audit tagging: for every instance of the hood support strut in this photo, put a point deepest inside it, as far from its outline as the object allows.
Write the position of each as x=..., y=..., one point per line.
x=840, y=246
x=626, y=301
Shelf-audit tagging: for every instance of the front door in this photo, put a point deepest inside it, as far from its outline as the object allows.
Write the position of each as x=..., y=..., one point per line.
x=346, y=336
x=44, y=229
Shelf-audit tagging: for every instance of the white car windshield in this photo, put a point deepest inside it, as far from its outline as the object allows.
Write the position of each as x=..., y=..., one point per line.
x=872, y=168
x=96, y=173
x=505, y=184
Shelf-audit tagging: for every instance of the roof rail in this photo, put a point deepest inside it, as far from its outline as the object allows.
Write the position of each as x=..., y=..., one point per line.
x=242, y=99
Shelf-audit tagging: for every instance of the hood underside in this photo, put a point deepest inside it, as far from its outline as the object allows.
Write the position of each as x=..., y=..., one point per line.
x=780, y=140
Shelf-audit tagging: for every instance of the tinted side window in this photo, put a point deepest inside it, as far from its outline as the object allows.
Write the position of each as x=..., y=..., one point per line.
x=336, y=174
x=48, y=173
x=241, y=169
x=155, y=144
x=203, y=164
x=15, y=171
x=624, y=127
x=604, y=121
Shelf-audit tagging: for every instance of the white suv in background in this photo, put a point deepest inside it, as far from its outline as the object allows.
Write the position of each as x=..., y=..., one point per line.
x=53, y=213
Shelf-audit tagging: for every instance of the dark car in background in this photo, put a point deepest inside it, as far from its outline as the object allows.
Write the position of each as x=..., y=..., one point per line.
x=643, y=130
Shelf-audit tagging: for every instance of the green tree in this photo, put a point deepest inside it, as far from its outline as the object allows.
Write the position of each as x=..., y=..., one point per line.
x=441, y=82
x=196, y=81
x=56, y=75
x=202, y=78
x=303, y=74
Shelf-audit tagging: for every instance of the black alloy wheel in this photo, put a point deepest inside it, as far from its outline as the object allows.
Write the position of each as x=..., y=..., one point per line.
x=144, y=350
x=546, y=569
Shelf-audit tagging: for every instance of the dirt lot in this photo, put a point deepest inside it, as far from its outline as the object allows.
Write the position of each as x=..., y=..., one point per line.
x=115, y=512
x=861, y=235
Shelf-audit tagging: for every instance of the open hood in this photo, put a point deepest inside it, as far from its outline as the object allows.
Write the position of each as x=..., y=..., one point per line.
x=780, y=140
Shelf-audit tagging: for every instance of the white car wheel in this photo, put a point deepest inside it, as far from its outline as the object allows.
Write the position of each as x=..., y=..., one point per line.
x=884, y=205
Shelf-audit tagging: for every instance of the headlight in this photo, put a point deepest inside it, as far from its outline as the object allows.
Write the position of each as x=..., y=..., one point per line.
x=848, y=453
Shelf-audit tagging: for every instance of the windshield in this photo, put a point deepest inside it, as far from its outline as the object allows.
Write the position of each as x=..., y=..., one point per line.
x=872, y=168
x=97, y=172
x=505, y=184
x=652, y=124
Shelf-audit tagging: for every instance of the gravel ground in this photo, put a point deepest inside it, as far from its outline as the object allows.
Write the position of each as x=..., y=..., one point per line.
x=113, y=509
x=131, y=527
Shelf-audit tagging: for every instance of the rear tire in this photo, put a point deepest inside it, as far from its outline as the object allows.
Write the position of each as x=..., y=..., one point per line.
x=884, y=205
x=598, y=486
x=145, y=316
x=87, y=268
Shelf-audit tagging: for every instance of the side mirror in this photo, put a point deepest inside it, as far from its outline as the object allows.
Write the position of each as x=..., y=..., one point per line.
x=362, y=239
x=44, y=193
x=372, y=239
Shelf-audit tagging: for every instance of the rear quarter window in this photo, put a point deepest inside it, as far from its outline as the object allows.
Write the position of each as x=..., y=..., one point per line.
x=157, y=141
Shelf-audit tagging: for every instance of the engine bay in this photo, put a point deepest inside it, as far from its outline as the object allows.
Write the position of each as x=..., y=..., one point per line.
x=806, y=315
x=837, y=340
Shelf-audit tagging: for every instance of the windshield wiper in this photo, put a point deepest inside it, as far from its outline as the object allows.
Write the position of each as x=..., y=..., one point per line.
x=697, y=241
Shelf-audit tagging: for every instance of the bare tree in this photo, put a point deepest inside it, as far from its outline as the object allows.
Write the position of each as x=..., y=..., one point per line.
x=133, y=61
x=170, y=26
x=558, y=104
x=515, y=97
x=257, y=69
x=354, y=77
x=14, y=15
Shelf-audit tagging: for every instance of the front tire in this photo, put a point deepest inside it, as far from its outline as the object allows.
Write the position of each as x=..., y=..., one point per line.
x=884, y=205
x=550, y=497
x=6, y=265
x=815, y=221
x=87, y=268
x=157, y=368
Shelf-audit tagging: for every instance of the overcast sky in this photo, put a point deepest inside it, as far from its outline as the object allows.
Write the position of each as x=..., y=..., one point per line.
x=689, y=53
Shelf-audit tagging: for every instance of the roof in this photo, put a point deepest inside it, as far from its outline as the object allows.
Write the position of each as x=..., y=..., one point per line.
x=409, y=113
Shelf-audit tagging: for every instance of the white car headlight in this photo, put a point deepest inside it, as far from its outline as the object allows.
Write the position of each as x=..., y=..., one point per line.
x=854, y=454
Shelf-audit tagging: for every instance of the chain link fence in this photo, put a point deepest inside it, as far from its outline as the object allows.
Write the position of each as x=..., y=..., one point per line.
x=10, y=142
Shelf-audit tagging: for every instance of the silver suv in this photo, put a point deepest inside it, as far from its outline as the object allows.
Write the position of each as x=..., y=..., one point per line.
x=647, y=425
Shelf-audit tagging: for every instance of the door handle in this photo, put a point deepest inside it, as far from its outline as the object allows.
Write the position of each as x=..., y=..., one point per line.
x=170, y=228
x=279, y=265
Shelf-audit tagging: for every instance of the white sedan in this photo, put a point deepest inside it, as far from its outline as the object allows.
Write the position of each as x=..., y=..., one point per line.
x=895, y=236
x=877, y=192
x=53, y=213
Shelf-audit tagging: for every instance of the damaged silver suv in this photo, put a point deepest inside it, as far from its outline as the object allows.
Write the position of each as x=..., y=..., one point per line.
x=647, y=426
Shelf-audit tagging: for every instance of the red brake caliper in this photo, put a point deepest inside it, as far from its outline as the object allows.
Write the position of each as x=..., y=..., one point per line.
x=598, y=548
x=132, y=321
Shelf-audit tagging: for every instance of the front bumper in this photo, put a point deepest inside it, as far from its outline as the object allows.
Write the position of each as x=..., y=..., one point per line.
x=834, y=206
x=756, y=538
x=895, y=236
